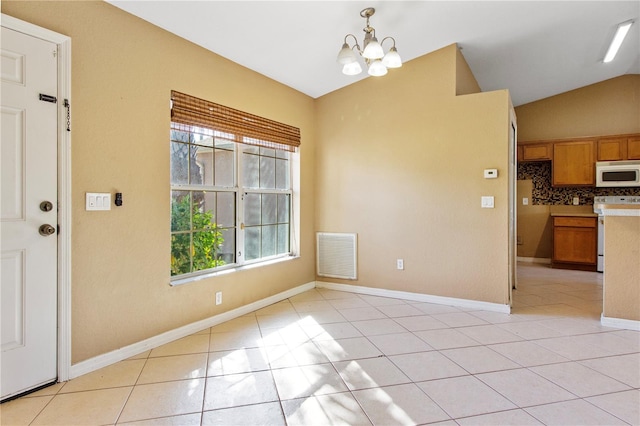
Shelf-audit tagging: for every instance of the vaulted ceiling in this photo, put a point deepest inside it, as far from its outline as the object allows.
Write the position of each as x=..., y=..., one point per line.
x=536, y=49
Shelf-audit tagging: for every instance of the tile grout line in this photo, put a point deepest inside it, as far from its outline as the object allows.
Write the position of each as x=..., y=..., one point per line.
x=135, y=383
x=206, y=378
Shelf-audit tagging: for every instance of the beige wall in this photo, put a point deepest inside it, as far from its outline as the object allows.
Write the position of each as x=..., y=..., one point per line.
x=400, y=161
x=534, y=225
x=122, y=73
x=605, y=108
x=622, y=270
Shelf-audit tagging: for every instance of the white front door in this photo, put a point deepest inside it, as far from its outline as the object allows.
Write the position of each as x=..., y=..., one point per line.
x=29, y=179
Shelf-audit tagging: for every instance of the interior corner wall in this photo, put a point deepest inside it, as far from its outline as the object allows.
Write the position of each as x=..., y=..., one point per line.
x=607, y=108
x=466, y=82
x=123, y=70
x=400, y=162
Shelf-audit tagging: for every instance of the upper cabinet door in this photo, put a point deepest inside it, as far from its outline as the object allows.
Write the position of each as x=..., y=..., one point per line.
x=537, y=152
x=612, y=149
x=574, y=163
x=633, y=148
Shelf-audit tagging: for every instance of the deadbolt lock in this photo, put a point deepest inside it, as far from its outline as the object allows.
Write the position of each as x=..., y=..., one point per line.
x=46, y=230
x=46, y=206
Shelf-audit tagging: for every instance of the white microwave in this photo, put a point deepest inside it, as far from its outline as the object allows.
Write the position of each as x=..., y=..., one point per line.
x=617, y=173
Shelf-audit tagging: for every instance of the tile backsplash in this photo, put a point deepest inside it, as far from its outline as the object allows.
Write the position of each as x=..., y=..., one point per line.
x=545, y=194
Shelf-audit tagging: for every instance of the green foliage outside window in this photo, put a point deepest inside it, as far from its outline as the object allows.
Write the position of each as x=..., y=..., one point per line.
x=198, y=249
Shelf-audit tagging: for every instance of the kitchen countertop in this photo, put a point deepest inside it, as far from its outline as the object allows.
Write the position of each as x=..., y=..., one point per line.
x=574, y=214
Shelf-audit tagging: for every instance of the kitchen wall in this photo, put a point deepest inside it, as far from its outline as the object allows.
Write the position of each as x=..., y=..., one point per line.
x=400, y=162
x=122, y=73
x=610, y=107
x=606, y=108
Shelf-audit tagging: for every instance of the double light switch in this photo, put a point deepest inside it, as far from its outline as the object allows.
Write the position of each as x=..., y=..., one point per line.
x=487, y=202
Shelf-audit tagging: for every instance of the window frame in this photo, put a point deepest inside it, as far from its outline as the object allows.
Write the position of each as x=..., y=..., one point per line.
x=240, y=191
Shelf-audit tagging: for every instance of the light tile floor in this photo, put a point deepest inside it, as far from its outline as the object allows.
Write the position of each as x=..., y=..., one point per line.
x=329, y=357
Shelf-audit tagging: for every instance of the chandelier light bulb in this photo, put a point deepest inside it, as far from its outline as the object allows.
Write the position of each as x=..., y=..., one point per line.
x=346, y=55
x=377, y=69
x=392, y=59
x=352, y=68
x=373, y=50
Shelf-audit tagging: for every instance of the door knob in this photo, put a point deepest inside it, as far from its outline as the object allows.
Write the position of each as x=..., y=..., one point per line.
x=46, y=230
x=46, y=206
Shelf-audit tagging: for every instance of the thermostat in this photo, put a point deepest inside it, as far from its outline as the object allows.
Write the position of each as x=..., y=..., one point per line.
x=490, y=173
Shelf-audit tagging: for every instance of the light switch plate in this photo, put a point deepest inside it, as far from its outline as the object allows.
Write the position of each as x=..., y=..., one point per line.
x=487, y=202
x=98, y=201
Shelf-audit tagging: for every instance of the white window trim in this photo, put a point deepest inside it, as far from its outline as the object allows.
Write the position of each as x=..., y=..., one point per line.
x=240, y=263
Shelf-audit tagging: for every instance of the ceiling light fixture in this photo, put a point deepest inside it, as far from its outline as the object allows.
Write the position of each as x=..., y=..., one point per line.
x=375, y=58
x=618, y=38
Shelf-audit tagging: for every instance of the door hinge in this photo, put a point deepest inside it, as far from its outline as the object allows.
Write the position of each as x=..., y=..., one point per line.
x=48, y=98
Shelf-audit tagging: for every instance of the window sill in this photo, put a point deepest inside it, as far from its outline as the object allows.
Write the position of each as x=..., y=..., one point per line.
x=186, y=280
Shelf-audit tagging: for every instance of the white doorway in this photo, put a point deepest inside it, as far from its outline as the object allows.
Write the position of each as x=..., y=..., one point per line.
x=513, y=212
x=34, y=206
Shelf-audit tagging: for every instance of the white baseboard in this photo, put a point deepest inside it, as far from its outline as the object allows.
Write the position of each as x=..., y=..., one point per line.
x=112, y=357
x=543, y=260
x=620, y=323
x=418, y=297
x=117, y=355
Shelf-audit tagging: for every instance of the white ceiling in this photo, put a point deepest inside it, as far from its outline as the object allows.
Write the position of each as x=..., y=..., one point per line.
x=536, y=49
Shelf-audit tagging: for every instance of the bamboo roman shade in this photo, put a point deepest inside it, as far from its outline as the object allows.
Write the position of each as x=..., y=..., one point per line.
x=246, y=128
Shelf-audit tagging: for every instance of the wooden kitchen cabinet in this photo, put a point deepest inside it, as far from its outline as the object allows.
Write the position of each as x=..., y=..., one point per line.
x=612, y=149
x=574, y=163
x=619, y=148
x=536, y=152
x=575, y=242
x=633, y=148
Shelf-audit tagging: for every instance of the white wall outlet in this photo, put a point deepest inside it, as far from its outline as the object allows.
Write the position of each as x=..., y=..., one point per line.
x=487, y=202
x=218, y=298
x=525, y=201
x=400, y=264
x=576, y=201
x=490, y=173
x=98, y=201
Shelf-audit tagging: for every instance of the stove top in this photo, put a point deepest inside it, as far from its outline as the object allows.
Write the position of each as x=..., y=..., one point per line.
x=616, y=200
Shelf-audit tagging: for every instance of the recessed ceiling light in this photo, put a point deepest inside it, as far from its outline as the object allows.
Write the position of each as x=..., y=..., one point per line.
x=618, y=38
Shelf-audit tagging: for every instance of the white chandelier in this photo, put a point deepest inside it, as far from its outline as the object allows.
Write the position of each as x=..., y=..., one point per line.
x=373, y=54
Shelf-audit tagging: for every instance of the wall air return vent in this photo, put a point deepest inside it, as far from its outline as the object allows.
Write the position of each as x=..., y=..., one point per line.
x=336, y=255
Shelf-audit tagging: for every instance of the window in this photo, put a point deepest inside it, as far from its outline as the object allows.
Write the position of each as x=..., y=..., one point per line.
x=231, y=195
